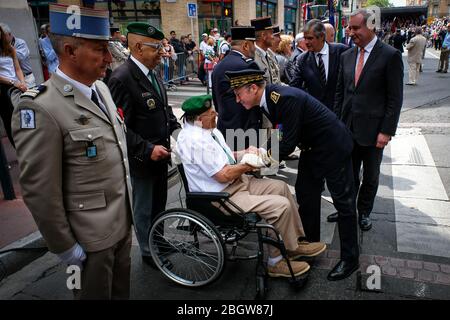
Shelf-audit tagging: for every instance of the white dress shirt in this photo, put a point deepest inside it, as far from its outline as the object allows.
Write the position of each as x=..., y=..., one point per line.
x=141, y=66
x=202, y=157
x=367, y=50
x=325, y=58
x=84, y=89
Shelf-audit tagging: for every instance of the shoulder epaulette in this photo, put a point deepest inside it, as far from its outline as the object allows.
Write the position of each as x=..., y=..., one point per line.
x=33, y=92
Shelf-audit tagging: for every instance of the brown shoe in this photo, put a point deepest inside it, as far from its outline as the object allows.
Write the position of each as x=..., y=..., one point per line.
x=307, y=249
x=281, y=269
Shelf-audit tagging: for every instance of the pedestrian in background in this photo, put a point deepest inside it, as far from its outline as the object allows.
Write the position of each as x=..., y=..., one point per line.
x=415, y=47
x=445, y=50
x=72, y=154
x=50, y=57
x=23, y=55
x=11, y=76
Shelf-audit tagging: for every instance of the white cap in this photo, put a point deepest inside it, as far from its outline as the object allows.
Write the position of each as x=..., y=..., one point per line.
x=300, y=36
x=204, y=34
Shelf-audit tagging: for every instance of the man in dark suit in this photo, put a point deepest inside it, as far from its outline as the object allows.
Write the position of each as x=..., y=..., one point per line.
x=316, y=70
x=233, y=115
x=141, y=96
x=369, y=97
x=398, y=40
x=326, y=146
x=347, y=40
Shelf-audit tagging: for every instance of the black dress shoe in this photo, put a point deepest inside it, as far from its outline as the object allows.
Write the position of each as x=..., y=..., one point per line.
x=343, y=270
x=365, y=223
x=333, y=217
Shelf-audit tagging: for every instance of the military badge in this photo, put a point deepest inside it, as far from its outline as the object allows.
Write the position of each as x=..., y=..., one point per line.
x=151, y=30
x=67, y=88
x=83, y=120
x=208, y=103
x=146, y=94
x=27, y=119
x=151, y=104
x=275, y=96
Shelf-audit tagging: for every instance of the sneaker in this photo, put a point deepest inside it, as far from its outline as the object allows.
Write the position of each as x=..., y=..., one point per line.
x=307, y=249
x=281, y=269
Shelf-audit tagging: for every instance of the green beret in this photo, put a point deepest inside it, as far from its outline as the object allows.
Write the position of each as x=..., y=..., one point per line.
x=197, y=105
x=146, y=30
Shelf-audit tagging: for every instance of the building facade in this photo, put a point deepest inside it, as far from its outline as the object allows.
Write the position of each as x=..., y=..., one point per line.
x=439, y=8
x=173, y=14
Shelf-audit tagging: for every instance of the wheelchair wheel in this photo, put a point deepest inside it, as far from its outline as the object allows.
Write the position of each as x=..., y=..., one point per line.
x=187, y=248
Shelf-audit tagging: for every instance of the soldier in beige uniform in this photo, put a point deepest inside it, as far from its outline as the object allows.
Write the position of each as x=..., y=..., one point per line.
x=263, y=57
x=72, y=154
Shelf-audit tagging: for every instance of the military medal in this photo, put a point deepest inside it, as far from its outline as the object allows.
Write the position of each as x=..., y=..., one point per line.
x=91, y=150
x=151, y=104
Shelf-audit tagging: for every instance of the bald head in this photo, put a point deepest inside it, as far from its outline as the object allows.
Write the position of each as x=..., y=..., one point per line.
x=329, y=29
x=134, y=42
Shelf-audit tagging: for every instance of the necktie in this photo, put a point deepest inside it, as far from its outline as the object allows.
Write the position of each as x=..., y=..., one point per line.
x=154, y=82
x=268, y=65
x=94, y=99
x=323, y=75
x=360, y=65
x=230, y=158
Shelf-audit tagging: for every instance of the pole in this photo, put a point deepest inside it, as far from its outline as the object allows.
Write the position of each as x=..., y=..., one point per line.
x=222, y=7
x=192, y=27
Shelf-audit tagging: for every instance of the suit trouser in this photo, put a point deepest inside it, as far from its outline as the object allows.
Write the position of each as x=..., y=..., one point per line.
x=106, y=273
x=443, y=60
x=149, y=199
x=414, y=69
x=370, y=157
x=273, y=202
x=340, y=183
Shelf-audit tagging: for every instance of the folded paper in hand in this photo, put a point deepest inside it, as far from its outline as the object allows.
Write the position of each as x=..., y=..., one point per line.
x=260, y=160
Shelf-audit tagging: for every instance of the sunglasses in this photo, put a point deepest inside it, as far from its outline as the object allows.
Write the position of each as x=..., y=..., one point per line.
x=156, y=46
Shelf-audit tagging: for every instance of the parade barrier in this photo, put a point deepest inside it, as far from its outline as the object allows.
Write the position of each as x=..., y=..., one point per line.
x=178, y=68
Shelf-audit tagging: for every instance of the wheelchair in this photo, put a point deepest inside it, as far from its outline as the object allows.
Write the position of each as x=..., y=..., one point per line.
x=192, y=246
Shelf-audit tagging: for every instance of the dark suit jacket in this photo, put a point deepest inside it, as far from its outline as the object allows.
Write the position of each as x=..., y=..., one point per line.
x=372, y=106
x=148, y=117
x=232, y=115
x=307, y=75
x=307, y=123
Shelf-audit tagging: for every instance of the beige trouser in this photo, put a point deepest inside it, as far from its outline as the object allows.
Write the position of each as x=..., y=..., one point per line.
x=414, y=70
x=272, y=200
x=106, y=273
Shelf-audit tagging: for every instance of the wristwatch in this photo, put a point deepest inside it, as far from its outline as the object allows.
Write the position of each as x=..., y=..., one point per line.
x=12, y=82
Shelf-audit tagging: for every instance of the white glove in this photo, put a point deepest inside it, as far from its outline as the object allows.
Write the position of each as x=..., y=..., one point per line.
x=73, y=256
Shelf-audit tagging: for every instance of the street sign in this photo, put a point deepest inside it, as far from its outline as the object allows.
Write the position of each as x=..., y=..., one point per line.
x=192, y=10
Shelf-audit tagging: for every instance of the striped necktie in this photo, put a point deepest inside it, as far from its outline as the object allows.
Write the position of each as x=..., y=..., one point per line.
x=323, y=75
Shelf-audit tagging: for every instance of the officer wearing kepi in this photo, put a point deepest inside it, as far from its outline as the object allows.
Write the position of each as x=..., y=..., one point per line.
x=326, y=146
x=72, y=153
x=140, y=94
x=233, y=115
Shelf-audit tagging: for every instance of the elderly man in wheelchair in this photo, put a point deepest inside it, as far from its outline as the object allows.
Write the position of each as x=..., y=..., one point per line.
x=210, y=166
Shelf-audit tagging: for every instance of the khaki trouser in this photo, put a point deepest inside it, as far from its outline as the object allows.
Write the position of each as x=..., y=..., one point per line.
x=106, y=273
x=272, y=201
x=443, y=60
x=414, y=69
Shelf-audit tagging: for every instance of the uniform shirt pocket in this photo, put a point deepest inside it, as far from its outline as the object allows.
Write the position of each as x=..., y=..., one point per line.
x=85, y=201
x=82, y=139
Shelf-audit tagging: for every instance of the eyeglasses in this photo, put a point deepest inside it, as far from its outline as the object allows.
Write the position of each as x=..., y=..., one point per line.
x=156, y=46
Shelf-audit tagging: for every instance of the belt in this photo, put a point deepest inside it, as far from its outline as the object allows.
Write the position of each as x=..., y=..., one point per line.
x=27, y=74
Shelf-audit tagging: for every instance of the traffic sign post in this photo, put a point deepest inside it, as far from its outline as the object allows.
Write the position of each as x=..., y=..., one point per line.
x=192, y=10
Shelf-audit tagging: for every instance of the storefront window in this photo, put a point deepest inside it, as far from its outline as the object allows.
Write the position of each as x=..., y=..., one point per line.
x=267, y=8
x=212, y=14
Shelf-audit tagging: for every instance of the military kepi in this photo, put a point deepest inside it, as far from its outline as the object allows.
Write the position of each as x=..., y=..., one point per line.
x=243, y=33
x=243, y=77
x=197, y=105
x=261, y=24
x=145, y=29
x=75, y=21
